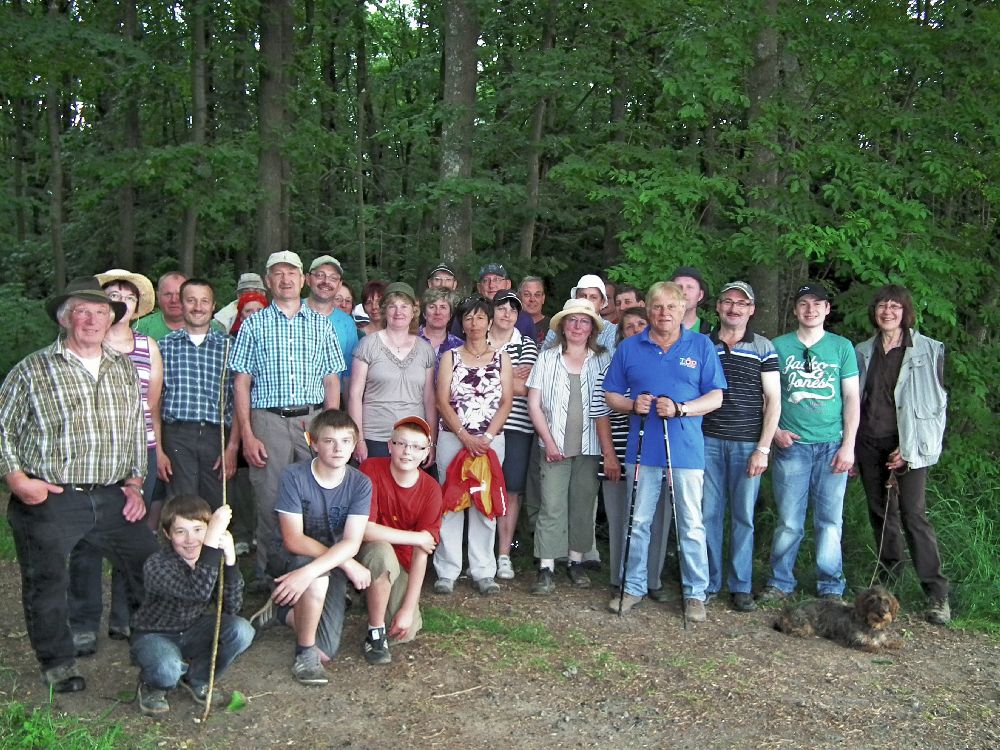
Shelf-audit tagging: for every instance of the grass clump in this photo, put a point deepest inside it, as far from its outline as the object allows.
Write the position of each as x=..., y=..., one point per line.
x=445, y=622
x=23, y=728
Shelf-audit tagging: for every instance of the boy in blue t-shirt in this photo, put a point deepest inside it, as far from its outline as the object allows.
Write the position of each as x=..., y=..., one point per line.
x=323, y=506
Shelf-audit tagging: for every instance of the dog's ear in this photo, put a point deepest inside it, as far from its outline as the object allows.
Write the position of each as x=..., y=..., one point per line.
x=893, y=605
x=863, y=604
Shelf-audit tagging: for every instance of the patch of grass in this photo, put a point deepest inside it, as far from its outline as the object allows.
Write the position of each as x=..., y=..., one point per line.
x=25, y=729
x=6, y=541
x=445, y=622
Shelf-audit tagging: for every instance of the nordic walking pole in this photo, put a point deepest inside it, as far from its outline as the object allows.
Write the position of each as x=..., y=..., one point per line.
x=631, y=509
x=225, y=501
x=673, y=512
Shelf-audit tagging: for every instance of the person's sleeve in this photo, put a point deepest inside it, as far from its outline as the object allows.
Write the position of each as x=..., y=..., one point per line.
x=232, y=590
x=361, y=496
x=168, y=576
x=537, y=377
x=848, y=361
x=768, y=355
x=529, y=353
x=333, y=357
x=712, y=375
x=427, y=354
x=364, y=351
x=368, y=469
x=13, y=414
x=614, y=378
x=598, y=405
x=240, y=356
x=289, y=498
x=432, y=509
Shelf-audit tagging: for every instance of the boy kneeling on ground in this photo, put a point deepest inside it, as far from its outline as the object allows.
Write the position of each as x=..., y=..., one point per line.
x=322, y=508
x=403, y=529
x=173, y=631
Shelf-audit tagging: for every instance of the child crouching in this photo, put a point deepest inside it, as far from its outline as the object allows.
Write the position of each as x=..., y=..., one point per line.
x=172, y=632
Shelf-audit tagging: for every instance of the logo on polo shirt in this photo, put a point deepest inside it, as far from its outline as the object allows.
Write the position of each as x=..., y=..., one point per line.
x=688, y=362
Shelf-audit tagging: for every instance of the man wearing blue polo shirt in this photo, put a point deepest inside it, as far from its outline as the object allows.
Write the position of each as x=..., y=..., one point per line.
x=324, y=279
x=677, y=374
x=287, y=363
x=814, y=445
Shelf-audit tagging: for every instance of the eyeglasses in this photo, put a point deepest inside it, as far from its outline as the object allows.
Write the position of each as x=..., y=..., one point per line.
x=739, y=304
x=119, y=297
x=807, y=355
x=889, y=307
x=79, y=312
x=325, y=276
x=409, y=447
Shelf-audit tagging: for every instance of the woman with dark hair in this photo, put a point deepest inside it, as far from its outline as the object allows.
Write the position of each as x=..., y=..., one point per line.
x=559, y=401
x=371, y=302
x=344, y=298
x=392, y=374
x=903, y=404
x=474, y=397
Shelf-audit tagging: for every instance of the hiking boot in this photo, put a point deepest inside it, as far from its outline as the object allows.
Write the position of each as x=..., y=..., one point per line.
x=578, y=575
x=199, y=694
x=505, y=570
x=487, y=586
x=64, y=679
x=152, y=701
x=308, y=669
x=743, y=602
x=266, y=617
x=694, y=610
x=628, y=602
x=938, y=612
x=545, y=583
x=444, y=586
x=831, y=597
x=84, y=644
x=376, y=651
x=771, y=594
x=659, y=595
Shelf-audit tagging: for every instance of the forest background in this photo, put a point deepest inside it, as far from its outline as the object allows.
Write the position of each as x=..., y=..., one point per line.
x=850, y=142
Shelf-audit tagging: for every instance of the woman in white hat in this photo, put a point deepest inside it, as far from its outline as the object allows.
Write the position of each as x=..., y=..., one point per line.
x=135, y=291
x=559, y=402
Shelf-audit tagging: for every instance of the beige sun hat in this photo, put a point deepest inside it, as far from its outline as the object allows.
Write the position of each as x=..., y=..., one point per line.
x=147, y=297
x=577, y=307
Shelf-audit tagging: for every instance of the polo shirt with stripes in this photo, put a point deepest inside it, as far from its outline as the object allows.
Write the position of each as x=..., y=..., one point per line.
x=741, y=415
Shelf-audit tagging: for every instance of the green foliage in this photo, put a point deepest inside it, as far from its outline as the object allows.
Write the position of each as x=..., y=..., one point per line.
x=30, y=328
x=7, y=551
x=445, y=622
x=25, y=729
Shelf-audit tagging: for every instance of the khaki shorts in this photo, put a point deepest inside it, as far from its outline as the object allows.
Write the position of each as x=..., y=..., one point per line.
x=380, y=558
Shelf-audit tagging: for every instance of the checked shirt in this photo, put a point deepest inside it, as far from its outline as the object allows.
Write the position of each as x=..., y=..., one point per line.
x=191, y=377
x=287, y=357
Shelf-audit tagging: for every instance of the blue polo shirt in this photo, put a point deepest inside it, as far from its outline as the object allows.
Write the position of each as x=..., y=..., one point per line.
x=347, y=335
x=688, y=369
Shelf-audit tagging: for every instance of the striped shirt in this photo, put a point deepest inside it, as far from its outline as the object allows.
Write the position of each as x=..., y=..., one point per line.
x=741, y=416
x=191, y=376
x=619, y=422
x=143, y=362
x=288, y=358
x=60, y=424
x=550, y=376
x=522, y=351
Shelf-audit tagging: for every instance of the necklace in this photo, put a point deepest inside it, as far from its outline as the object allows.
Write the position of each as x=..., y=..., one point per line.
x=476, y=355
x=398, y=347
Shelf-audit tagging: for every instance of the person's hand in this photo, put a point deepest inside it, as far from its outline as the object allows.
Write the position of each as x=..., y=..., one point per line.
x=361, y=450
x=477, y=445
x=666, y=408
x=553, y=454
x=612, y=467
x=254, y=451
x=521, y=372
x=895, y=462
x=757, y=464
x=230, y=454
x=643, y=403
x=228, y=547
x=218, y=524
x=164, y=469
x=784, y=438
x=358, y=575
x=31, y=491
x=290, y=587
x=401, y=623
x=429, y=458
x=843, y=460
x=135, y=506
x=427, y=543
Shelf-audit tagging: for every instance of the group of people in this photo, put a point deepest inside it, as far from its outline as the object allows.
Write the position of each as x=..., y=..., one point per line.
x=437, y=433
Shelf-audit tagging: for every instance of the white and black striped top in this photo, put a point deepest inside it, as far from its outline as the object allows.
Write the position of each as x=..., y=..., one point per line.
x=741, y=415
x=619, y=423
x=522, y=351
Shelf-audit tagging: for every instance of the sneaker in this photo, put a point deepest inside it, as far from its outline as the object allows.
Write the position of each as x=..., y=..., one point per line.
x=308, y=669
x=84, y=644
x=199, y=694
x=545, y=583
x=831, y=597
x=266, y=617
x=64, y=679
x=938, y=612
x=578, y=575
x=694, y=610
x=743, y=602
x=152, y=701
x=771, y=594
x=444, y=586
x=487, y=586
x=628, y=602
x=376, y=651
x=505, y=570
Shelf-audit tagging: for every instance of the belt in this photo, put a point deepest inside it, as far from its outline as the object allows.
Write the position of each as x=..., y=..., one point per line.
x=293, y=411
x=79, y=487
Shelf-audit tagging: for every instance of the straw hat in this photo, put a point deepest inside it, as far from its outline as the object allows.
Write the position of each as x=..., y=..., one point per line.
x=577, y=307
x=147, y=297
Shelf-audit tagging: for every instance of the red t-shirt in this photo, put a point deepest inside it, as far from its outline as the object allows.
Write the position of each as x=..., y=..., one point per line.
x=416, y=508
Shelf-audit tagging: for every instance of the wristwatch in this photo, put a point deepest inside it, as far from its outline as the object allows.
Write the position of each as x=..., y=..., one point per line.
x=488, y=436
x=762, y=449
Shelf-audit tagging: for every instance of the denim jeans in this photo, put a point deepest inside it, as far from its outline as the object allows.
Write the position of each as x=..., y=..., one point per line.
x=803, y=477
x=652, y=492
x=727, y=485
x=163, y=658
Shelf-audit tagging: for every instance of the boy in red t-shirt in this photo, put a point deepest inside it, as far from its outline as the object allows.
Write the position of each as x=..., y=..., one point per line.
x=403, y=529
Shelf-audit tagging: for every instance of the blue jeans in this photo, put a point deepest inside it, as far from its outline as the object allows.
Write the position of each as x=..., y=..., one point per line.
x=163, y=658
x=803, y=476
x=651, y=492
x=727, y=485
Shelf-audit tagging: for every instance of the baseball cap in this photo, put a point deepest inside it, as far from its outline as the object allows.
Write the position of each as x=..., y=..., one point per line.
x=493, y=268
x=285, y=256
x=325, y=260
x=415, y=422
x=742, y=286
x=506, y=296
x=816, y=290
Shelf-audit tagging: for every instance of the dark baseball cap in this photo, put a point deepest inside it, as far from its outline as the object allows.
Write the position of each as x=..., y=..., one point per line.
x=816, y=290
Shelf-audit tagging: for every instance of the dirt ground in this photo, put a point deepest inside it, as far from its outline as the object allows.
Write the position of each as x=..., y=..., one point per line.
x=517, y=671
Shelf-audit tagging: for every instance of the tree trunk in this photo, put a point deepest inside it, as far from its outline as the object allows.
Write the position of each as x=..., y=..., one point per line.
x=199, y=119
x=611, y=247
x=131, y=137
x=272, y=125
x=56, y=178
x=461, y=33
